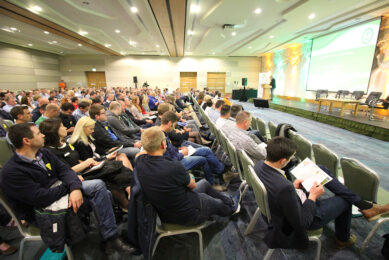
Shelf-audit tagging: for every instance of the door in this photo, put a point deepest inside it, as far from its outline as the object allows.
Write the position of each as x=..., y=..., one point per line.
x=188, y=80
x=216, y=81
x=96, y=79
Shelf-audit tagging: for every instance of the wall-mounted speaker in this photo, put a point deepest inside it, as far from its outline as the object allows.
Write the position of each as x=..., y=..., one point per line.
x=244, y=81
x=135, y=79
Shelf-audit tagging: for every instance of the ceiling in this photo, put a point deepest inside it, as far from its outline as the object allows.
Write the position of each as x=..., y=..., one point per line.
x=176, y=27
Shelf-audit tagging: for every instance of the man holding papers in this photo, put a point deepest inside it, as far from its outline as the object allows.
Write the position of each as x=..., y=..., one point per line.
x=294, y=210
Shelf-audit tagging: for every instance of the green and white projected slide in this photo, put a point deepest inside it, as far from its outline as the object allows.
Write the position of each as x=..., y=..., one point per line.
x=343, y=60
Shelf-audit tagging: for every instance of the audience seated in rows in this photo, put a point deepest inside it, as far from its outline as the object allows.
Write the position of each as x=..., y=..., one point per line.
x=202, y=157
x=294, y=211
x=21, y=114
x=84, y=144
x=67, y=117
x=106, y=137
x=27, y=180
x=172, y=191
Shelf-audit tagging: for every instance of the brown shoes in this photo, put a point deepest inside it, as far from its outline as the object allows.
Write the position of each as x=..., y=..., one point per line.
x=228, y=176
x=375, y=212
x=343, y=244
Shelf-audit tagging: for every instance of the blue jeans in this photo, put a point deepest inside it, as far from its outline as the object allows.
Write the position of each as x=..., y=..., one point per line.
x=205, y=158
x=129, y=151
x=337, y=207
x=194, y=145
x=212, y=202
x=100, y=200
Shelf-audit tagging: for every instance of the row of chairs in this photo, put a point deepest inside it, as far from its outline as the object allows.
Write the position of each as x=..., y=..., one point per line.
x=244, y=166
x=357, y=177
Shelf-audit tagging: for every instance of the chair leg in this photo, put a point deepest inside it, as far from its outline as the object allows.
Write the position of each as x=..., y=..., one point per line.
x=156, y=244
x=68, y=251
x=242, y=184
x=244, y=191
x=318, y=249
x=253, y=221
x=372, y=232
x=268, y=254
x=200, y=244
x=21, y=249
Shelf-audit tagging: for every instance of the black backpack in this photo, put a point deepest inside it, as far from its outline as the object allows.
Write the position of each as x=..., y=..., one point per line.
x=283, y=130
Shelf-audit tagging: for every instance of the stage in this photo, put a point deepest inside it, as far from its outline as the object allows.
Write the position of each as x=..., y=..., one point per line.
x=359, y=124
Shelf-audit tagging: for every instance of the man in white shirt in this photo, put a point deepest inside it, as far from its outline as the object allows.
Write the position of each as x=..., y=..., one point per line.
x=10, y=103
x=241, y=139
x=214, y=113
x=224, y=116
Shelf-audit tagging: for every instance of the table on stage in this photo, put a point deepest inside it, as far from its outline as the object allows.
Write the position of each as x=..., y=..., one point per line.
x=250, y=93
x=343, y=102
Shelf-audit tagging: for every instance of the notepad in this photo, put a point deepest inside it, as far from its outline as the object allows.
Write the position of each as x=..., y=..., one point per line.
x=310, y=173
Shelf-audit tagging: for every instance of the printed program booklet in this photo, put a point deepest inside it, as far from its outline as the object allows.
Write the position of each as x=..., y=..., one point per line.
x=309, y=172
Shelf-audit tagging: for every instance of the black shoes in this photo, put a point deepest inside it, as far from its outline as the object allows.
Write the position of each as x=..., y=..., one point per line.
x=117, y=245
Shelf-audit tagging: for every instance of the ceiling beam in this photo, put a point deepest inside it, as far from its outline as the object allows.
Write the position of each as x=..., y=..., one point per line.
x=30, y=18
x=171, y=18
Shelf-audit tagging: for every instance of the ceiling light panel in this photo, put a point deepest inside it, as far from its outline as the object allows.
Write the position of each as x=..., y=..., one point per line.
x=134, y=9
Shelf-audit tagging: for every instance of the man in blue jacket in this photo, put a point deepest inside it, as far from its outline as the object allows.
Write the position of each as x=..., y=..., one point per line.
x=28, y=175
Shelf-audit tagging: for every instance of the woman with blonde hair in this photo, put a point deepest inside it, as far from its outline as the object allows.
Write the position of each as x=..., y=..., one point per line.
x=117, y=169
x=135, y=108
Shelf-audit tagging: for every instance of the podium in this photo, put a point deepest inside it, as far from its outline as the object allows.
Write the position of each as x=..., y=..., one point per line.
x=266, y=91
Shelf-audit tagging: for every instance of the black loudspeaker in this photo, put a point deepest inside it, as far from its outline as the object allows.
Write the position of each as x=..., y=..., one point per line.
x=259, y=102
x=135, y=79
x=244, y=81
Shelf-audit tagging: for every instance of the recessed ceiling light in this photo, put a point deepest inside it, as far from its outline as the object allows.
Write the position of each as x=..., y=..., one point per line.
x=258, y=11
x=93, y=69
x=79, y=44
x=250, y=47
x=61, y=52
x=190, y=32
x=233, y=33
x=134, y=9
x=36, y=8
x=311, y=16
x=122, y=53
x=107, y=45
x=117, y=31
x=13, y=29
x=132, y=43
x=194, y=8
x=82, y=33
x=143, y=52
x=271, y=36
x=188, y=52
x=213, y=53
x=157, y=46
x=30, y=44
x=54, y=41
x=46, y=32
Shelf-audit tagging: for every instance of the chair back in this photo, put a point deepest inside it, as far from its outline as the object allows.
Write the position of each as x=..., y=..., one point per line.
x=8, y=123
x=22, y=229
x=360, y=179
x=260, y=193
x=261, y=126
x=245, y=162
x=253, y=125
x=326, y=157
x=272, y=129
x=304, y=147
x=357, y=94
x=233, y=156
x=373, y=96
x=5, y=151
x=223, y=140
